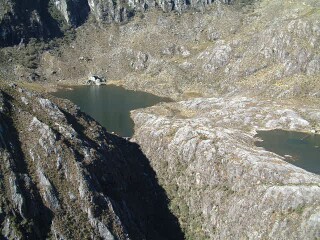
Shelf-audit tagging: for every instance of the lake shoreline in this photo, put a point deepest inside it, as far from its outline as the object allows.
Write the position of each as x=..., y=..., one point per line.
x=110, y=105
x=298, y=148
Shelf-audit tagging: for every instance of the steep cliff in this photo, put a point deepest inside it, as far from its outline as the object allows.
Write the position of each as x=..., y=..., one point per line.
x=221, y=185
x=119, y=11
x=63, y=177
x=75, y=12
x=21, y=20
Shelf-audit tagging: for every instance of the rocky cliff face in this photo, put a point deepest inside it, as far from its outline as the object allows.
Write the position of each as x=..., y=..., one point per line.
x=42, y=19
x=63, y=177
x=21, y=20
x=221, y=185
x=75, y=12
x=119, y=11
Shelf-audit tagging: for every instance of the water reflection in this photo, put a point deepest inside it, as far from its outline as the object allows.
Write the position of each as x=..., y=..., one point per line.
x=110, y=105
x=300, y=149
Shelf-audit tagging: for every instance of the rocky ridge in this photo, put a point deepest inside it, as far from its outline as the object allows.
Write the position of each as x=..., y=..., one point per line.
x=62, y=176
x=220, y=185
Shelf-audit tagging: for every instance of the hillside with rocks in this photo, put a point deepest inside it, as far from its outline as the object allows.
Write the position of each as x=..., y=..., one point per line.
x=233, y=68
x=62, y=176
x=21, y=20
x=270, y=48
x=220, y=185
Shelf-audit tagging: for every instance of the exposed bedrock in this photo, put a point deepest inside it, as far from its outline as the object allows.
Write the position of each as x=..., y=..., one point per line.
x=221, y=186
x=62, y=176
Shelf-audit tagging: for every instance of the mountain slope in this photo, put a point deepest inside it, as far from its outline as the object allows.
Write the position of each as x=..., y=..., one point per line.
x=271, y=49
x=21, y=20
x=63, y=177
x=221, y=185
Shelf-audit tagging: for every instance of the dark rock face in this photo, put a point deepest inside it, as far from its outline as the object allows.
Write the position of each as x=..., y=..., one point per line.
x=75, y=12
x=21, y=20
x=62, y=176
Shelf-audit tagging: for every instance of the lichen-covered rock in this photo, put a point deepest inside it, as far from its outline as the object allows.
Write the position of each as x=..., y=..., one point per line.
x=49, y=194
x=62, y=175
x=221, y=185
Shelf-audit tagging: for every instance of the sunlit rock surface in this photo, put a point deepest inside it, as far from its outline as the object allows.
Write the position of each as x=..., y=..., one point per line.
x=221, y=185
x=62, y=176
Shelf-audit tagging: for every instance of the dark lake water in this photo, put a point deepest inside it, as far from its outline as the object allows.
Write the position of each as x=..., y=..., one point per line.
x=110, y=105
x=300, y=149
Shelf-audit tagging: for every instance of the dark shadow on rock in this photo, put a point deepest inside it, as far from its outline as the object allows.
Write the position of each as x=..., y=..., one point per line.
x=122, y=173
x=132, y=183
x=29, y=19
x=78, y=127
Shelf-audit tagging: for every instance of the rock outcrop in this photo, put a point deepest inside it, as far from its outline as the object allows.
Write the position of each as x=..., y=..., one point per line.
x=75, y=12
x=221, y=186
x=119, y=11
x=95, y=80
x=62, y=176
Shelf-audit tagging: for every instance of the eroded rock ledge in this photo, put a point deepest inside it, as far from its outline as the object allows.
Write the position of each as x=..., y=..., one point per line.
x=220, y=184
